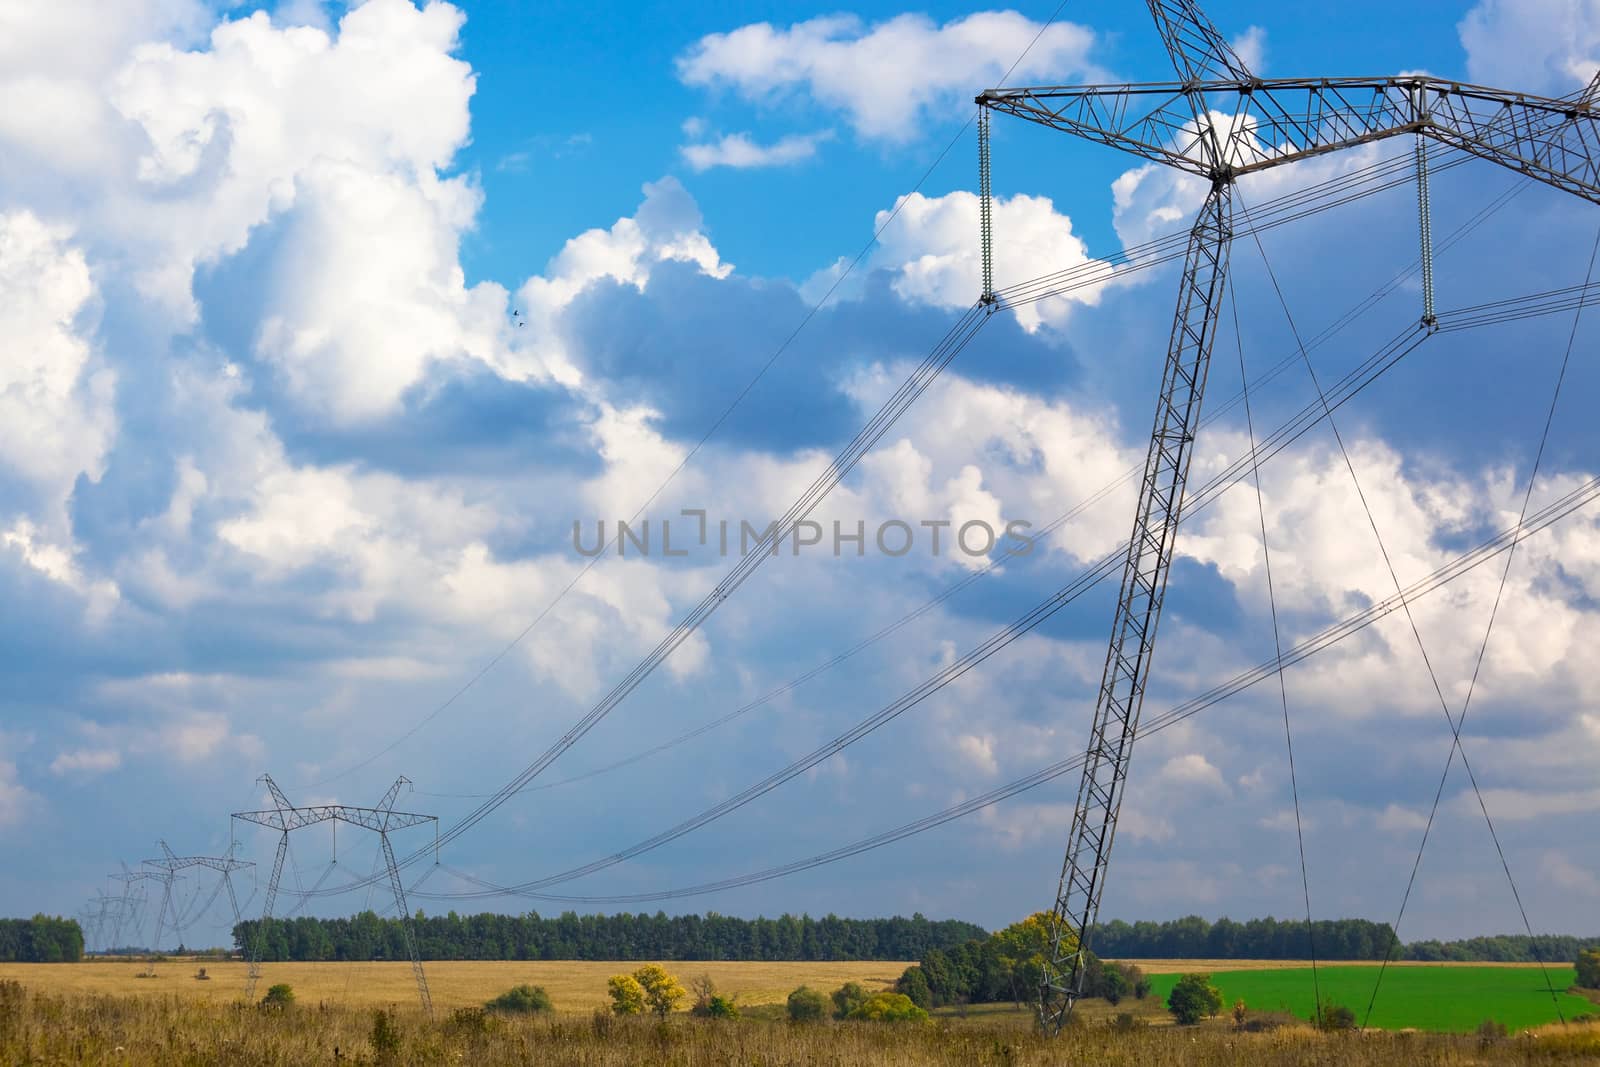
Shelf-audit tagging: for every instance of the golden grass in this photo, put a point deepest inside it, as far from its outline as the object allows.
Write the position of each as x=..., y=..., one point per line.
x=145, y=1031
x=573, y=985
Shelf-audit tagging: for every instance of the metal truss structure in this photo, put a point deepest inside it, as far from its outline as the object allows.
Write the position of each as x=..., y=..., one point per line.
x=128, y=913
x=1221, y=122
x=381, y=819
x=168, y=867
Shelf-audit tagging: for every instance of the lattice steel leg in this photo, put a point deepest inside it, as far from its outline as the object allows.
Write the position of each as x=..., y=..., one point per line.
x=266, y=917
x=1133, y=633
x=406, y=926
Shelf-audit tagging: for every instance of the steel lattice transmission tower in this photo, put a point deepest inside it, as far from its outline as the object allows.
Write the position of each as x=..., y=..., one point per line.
x=1221, y=122
x=170, y=864
x=382, y=820
x=132, y=902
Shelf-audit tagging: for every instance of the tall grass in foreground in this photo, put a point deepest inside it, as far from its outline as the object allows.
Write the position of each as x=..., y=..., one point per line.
x=139, y=1031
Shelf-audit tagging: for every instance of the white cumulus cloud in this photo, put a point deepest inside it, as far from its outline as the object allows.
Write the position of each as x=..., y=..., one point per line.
x=888, y=76
x=739, y=151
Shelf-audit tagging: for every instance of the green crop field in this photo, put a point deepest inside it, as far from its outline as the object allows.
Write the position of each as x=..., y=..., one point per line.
x=1445, y=998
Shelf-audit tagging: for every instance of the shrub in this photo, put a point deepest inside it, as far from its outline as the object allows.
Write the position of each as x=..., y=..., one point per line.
x=1113, y=985
x=521, y=1000
x=470, y=1021
x=1239, y=1014
x=1588, y=966
x=385, y=1037
x=1125, y=1022
x=627, y=995
x=847, y=998
x=914, y=984
x=661, y=991
x=1138, y=981
x=888, y=1008
x=807, y=1005
x=279, y=997
x=1490, y=1031
x=1336, y=1017
x=601, y=1023
x=1193, y=998
x=722, y=1007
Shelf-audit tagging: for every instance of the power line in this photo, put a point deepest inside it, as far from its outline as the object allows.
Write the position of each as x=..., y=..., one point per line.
x=1277, y=647
x=1136, y=259
x=1383, y=551
x=716, y=424
x=1585, y=494
x=1477, y=666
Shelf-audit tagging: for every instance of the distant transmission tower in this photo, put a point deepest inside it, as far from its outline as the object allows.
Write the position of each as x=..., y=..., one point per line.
x=130, y=915
x=285, y=817
x=1221, y=122
x=170, y=864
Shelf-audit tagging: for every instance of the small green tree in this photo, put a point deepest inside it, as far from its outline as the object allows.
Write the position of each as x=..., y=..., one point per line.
x=1193, y=998
x=914, y=984
x=807, y=1005
x=847, y=998
x=627, y=995
x=1113, y=984
x=279, y=997
x=1588, y=966
x=661, y=991
x=888, y=1008
x=521, y=1000
x=722, y=1007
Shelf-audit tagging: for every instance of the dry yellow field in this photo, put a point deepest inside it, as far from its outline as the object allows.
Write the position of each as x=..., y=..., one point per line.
x=573, y=985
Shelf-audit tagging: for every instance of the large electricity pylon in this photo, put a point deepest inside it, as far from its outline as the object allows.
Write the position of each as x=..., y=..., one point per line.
x=1221, y=122
x=170, y=864
x=285, y=817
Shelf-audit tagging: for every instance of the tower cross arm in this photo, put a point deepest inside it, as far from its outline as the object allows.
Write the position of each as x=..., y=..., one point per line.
x=368, y=818
x=1232, y=128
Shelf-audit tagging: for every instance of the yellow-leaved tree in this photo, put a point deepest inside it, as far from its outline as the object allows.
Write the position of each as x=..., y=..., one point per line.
x=627, y=995
x=1022, y=948
x=661, y=991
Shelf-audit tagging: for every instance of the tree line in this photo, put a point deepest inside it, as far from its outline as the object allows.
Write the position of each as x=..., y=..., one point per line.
x=1505, y=948
x=570, y=936
x=41, y=939
x=1259, y=939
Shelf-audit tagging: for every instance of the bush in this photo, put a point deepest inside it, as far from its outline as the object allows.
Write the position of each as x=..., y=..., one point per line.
x=1336, y=1017
x=807, y=1005
x=847, y=998
x=1113, y=985
x=1194, y=998
x=914, y=984
x=627, y=995
x=521, y=1000
x=279, y=997
x=1588, y=966
x=722, y=1007
x=1125, y=1022
x=1114, y=981
x=661, y=991
x=1490, y=1031
x=888, y=1008
x=469, y=1021
x=385, y=1037
x=601, y=1023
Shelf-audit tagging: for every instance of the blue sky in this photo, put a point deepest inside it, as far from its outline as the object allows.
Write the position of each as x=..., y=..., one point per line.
x=325, y=324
